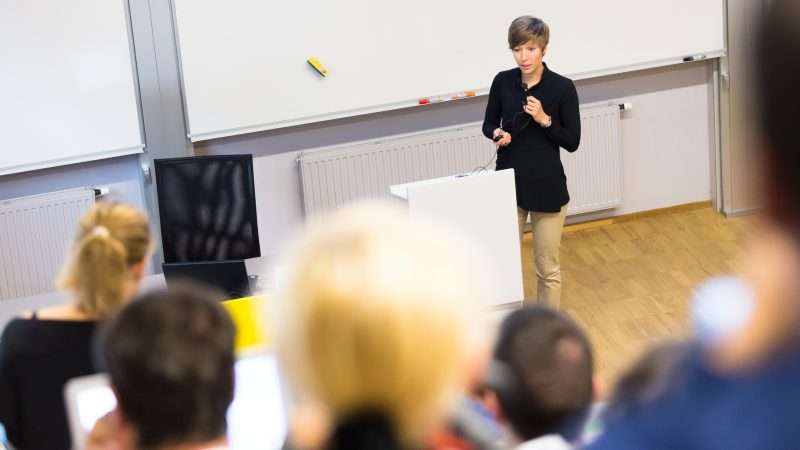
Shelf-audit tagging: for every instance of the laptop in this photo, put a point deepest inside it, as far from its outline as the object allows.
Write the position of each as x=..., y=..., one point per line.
x=87, y=400
x=228, y=276
x=257, y=418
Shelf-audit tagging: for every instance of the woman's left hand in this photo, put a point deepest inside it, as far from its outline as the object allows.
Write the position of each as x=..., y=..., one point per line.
x=533, y=107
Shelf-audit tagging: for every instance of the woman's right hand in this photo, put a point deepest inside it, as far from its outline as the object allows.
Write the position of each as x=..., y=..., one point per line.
x=505, y=137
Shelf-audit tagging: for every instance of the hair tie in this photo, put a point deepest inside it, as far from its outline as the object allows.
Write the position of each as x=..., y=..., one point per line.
x=101, y=231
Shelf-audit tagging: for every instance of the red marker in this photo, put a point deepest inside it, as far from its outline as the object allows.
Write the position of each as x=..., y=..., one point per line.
x=424, y=101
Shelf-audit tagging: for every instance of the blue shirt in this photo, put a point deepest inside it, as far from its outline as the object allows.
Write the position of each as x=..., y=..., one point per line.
x=704, y=410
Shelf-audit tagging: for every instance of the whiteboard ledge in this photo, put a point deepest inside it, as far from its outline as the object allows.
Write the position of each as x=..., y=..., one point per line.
x=73, y=160
x=318, y=118
x=698, y=57
x=205, y=136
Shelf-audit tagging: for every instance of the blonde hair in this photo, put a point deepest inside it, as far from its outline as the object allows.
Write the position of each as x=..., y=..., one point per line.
x=111, y=239
x=528, y=28
x=373, y=316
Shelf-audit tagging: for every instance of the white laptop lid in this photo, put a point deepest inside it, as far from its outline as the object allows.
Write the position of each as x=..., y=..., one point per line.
x=257, y=418
x=87, y=399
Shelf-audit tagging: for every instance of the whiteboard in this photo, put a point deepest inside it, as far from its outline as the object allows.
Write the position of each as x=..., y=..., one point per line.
x=67, y=91
x=244, y=67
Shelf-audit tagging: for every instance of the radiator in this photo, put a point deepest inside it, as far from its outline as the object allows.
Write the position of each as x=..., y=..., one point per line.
x=594, y=172
x=35, y=234
x=333, y=176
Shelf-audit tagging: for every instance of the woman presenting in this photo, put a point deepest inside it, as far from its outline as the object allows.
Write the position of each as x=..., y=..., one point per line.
x=532, y=112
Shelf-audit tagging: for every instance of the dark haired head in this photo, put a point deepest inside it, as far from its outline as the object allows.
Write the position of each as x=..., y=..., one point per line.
x=541, y=371
x=170, y=357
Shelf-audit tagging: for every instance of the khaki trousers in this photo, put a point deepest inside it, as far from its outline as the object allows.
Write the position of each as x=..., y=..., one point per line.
x=546, y=243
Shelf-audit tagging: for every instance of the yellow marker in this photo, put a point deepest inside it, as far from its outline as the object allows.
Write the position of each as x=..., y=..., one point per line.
x=314, y=62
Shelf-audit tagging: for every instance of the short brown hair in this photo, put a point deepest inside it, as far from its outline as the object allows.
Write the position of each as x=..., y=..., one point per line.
x=541, y=371
x=170, y=357
x=528, y=28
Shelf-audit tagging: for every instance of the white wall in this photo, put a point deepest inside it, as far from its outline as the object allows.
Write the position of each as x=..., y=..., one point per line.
x=667, y=140
x=667, y=137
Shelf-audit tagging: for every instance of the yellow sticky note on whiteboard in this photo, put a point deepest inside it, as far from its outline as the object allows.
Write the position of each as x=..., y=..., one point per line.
x=317, y=65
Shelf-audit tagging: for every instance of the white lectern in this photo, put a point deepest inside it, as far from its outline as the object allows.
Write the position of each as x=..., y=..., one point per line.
x=484, y=207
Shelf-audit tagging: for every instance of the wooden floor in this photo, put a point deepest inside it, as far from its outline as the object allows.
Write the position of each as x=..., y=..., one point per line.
x=629, y=283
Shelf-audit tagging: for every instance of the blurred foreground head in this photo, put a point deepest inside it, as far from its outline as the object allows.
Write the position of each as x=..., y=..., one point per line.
x=373, y=316
x=767, y=325
x=777, y=61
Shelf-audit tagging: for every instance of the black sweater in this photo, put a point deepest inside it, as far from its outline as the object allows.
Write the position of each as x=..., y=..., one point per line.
x=36, y=358
x=534, y=151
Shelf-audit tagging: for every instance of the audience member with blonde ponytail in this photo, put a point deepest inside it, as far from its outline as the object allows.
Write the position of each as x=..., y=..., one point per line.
x=42, y=350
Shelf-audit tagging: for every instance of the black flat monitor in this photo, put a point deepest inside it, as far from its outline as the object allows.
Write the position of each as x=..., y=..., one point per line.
x=230, y=277
x=207, y=207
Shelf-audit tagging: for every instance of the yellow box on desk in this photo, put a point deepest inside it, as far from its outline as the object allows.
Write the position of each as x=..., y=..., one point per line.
x=248, y=315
